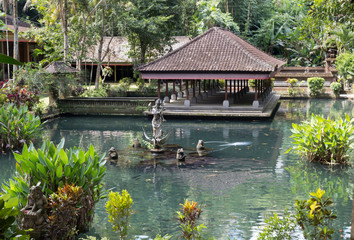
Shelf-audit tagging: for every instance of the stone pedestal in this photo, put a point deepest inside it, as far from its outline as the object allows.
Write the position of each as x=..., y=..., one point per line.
x=226, y=103
x=187, y=103
x=205, y=95
x=193, y=100
x=255, y=104
x=180, y=95
x=200, y=97
x=173, y=97
x=166, y=99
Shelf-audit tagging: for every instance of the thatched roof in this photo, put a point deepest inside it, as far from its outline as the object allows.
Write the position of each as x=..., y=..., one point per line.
x=119, y=48
x=216, y=50
x=58, y=67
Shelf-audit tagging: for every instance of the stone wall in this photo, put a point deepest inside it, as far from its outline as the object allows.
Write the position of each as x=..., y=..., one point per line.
x=104, y=106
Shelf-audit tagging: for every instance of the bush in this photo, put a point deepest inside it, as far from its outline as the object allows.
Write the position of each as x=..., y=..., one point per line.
x=55, y=167
x=345, y=66
x=324, y=140
x=336, y=87
x=314, y=216
x=294, y=87
x=188, y=219
x=278, y=228
x=125, y=83
x=64, y=210
x=17, y=126
x=315, y=85
x=119, y=210
x=101, y=92
x=8, y=214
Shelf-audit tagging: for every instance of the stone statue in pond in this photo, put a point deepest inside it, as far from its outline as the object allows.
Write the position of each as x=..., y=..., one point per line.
x=157, y=139
x=34, y=214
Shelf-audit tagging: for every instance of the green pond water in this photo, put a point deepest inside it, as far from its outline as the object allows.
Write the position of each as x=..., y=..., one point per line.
x=244, y=177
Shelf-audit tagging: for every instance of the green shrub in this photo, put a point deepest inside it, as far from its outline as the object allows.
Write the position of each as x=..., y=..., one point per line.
x=345, y=66
x=17, y=126
x=336, y=87
x=117, y=91
x=101, y=92
x=314, y=216
x=188, y=219
x=54, y=167
x=324, y=140
x=119, y=210
x=278, y=228
x=315, y=85
x=252, y=83
x=125, y=83
x=8, y=214
x=64, y=211
x=294, y=87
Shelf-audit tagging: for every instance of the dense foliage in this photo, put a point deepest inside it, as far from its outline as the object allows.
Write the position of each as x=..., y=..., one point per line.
x=55, y=167
x=345, y=66
x=324, y=140
x=17, y=126
x=64, y=209
x=336, y=87
x=8, y=214
x=315, y=86
x=315, y=215
x=119, y=210
x=188, y=218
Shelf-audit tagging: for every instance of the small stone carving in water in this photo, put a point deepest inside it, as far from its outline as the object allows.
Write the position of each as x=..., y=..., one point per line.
x=112, y=154
x=136, y=143
x=34, y=214
x=200, y=145
x=157, y=139
x=180, y=155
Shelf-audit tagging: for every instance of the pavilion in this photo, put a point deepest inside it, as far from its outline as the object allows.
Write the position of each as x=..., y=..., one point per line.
x=197, y=67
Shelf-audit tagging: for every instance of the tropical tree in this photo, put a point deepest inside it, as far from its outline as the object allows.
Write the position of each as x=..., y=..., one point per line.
x=209, y=14
x=148, y=27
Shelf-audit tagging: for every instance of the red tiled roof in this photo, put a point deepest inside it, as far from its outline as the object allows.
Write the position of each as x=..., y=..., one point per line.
x=216, y=50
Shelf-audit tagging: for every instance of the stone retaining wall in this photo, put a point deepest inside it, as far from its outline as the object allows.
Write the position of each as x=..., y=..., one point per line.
x=104, y=106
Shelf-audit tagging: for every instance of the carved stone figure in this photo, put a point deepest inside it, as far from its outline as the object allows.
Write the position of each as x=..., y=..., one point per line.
x=200, y=145
x=113, y=154
x=34, y=214
x=157, y=139
x=136, y=143
x=180, y=155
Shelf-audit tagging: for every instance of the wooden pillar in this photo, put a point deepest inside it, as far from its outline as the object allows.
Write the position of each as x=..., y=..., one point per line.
x=230, y=87
x=225, y=89
x=200, y=91
x=115, y=73
x=174, y=87
x=166, y=87
x=194, y=87
x=256, y=90
x=158, y=89
x=238, y=88
x=204, y=83
x=187, y=90
x=180, y=85
x=209, y=85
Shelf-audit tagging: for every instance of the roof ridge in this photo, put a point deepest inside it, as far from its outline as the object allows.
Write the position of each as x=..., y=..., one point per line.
x=177, y=49
x=248, y=53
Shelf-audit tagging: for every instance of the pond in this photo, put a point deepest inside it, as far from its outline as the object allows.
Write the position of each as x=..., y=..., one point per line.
x=245, y=177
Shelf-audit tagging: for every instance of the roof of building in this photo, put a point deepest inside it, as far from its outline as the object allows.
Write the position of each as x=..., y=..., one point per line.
x=119, y=48
x=59, y=67
x=216, y=50
x=22, y=26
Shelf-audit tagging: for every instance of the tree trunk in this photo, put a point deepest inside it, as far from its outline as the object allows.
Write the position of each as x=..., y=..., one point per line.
x=15, y=19
x=352, y=230
x=99, y=64
x=65, y=29
x=7, y=44
x=142, y=52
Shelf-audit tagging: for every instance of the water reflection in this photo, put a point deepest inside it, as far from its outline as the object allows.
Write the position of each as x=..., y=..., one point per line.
x=243, y=177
